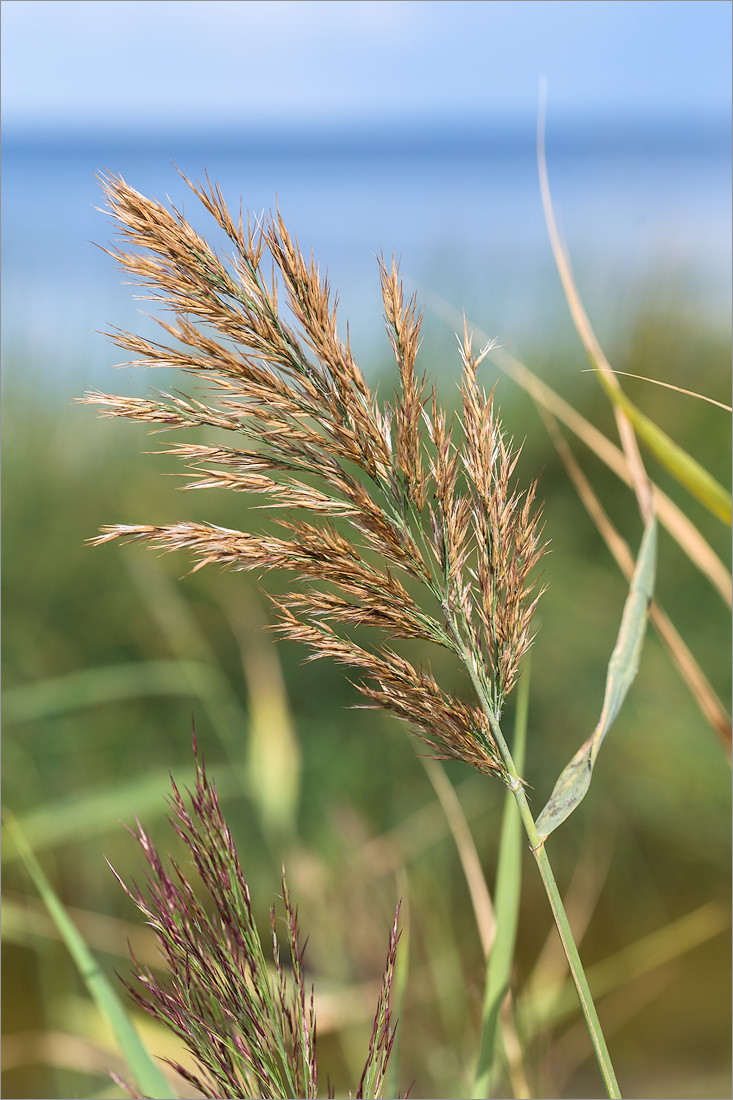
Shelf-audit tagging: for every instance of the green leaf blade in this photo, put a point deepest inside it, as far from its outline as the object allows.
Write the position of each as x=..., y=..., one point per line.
x=574, y=780
x=151, y=1081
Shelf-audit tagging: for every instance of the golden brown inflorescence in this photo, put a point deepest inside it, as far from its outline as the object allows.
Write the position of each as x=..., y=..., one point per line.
x=368, y=491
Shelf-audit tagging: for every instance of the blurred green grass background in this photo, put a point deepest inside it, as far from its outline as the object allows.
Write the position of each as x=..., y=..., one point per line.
x=108, y=653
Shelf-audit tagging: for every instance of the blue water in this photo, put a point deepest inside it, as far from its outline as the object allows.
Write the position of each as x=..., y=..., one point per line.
x=642, y=213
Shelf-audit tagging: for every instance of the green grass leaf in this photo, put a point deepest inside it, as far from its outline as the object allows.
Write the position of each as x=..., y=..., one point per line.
x=574, y=781
x=151, y=1081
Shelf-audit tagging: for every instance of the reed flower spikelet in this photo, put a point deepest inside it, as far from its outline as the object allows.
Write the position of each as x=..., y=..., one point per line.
x=250, y=1027
x=375, y=499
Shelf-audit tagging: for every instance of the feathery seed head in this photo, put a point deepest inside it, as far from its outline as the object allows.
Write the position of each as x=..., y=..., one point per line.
x=251, y=1032
x=413, y=493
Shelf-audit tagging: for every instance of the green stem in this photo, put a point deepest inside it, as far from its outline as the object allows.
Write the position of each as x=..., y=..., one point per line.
x=514, y=782
x=507, y=893
x=561, y=918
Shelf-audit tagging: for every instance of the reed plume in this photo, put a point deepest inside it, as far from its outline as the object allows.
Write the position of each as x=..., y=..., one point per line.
x=249, y=1032
x=376, y=500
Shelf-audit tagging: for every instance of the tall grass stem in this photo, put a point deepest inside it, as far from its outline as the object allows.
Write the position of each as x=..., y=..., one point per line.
x=562, y=924
x=506, y=900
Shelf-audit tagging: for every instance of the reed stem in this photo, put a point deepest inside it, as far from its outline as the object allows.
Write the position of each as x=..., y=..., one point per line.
x=507, y=893
x=562, y=923
x=542, y=860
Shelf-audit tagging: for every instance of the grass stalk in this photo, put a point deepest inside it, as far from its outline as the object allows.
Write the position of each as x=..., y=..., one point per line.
x=507, y=893
x=572, y=954
x=537, y=847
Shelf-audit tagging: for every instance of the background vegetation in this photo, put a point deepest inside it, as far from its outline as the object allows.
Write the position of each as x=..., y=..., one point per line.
x=108, y=653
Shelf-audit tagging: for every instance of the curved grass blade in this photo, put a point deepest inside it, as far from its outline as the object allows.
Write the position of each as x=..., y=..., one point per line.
x=574, y=781
x=667, y=386
x=681, y=465
x=638, y=475
x=151, y=1081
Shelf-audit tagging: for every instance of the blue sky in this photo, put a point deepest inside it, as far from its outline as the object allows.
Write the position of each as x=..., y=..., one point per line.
x=146, y=63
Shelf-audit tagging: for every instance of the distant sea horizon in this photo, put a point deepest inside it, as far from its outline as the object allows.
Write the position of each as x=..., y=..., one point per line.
x=699, y=134
x=639, y=200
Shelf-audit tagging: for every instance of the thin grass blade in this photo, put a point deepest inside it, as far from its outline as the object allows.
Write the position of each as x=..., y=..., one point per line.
x=639, y=479
x=574, y=781
x=680, y=464
x=239, y=732
x=483, y=907
x=670, y=386
x=188, y=642
x=150, y=1079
